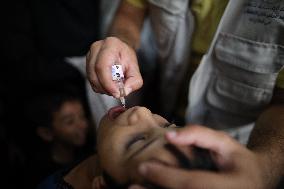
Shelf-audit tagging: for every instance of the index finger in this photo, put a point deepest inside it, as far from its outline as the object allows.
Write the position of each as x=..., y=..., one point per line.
x=203, y=137
x=91, y=60
x=106, y=58
x=133, y=78
x=175, y=178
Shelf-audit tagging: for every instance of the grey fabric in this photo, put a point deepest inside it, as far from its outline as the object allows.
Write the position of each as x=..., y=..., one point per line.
x=107, y=12
x=172, y=24
x=236, y=78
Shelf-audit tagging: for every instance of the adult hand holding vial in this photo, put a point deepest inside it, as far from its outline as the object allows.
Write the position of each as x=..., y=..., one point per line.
x=100, y=59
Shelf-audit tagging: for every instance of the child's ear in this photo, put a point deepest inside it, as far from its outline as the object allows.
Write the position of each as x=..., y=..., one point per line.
x=44, y=133
x=99, y=183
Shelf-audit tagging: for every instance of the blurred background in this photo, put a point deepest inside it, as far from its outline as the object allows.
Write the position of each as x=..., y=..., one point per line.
x=48, y=112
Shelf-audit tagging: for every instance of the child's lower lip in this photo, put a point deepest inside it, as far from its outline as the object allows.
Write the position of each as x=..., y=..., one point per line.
x=116, y=111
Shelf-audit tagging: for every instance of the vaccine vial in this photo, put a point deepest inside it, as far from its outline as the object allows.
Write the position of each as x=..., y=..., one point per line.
x=118, y=76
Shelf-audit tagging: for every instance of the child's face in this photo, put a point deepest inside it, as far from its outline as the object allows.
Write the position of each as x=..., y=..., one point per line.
x=128, y=137
x=69, y=124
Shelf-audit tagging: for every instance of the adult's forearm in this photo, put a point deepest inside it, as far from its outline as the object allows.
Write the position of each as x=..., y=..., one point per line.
x=127, y=24
x=267, y=140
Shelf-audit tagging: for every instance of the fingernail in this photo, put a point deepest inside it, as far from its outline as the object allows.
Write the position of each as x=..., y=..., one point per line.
x=127, y=90
x=142, y=169
x=171, y=134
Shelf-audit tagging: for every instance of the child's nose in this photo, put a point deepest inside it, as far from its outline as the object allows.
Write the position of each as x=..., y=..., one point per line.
x=140, y=114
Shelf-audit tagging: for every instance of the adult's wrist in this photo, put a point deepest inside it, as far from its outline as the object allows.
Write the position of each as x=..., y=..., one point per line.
x=269, y=172
x=129, y=41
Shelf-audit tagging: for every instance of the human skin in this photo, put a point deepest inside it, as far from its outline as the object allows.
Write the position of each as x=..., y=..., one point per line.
x=265, y=148
x=136, y=136
x=69, y=124
x=119, y=48
x=67, y=131
x=120, y=138
x=238, y=167
x=260, y=166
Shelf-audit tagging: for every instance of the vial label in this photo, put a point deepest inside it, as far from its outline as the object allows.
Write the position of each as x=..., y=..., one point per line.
x=117, y=73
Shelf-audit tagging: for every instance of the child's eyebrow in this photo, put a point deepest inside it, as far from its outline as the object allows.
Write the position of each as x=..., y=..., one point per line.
x=134, y=138
x=142, y=148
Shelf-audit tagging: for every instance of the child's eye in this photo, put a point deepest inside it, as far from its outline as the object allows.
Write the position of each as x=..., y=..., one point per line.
x=69, y=121
x=134, y=140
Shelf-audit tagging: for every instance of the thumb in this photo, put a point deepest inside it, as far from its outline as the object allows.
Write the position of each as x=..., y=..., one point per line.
x=203, y=137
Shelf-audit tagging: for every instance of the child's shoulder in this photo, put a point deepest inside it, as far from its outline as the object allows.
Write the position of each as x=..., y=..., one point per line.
x=55, y=181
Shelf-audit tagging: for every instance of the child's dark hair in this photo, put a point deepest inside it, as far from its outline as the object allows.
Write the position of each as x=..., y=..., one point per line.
x=41, y=109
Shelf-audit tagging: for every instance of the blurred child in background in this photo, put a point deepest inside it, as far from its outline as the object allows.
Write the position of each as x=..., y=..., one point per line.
x=61, y=126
